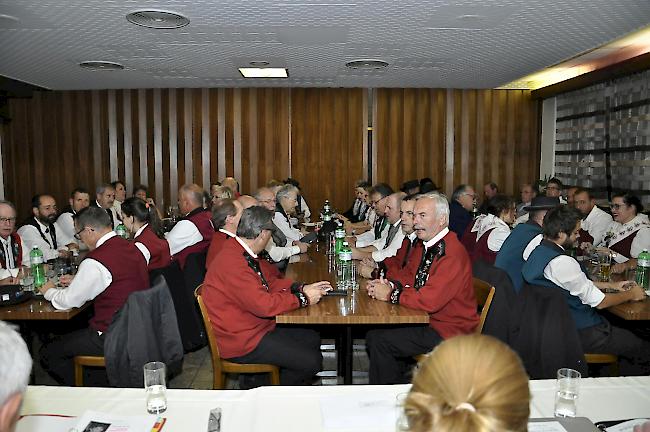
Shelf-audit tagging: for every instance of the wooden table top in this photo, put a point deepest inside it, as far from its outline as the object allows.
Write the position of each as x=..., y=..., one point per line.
x=38, y=309
x=632, y=310
x=355, y=308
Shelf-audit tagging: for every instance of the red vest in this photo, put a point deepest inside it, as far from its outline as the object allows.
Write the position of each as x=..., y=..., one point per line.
x=15, y=248
x=158, y=248
x=469, y=239
x=128, y=268
x=200, y=219
x=624, y=247
x=481, y=250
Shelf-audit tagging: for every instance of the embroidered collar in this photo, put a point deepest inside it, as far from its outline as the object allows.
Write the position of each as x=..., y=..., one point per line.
x=484, y=223
x=618, y=231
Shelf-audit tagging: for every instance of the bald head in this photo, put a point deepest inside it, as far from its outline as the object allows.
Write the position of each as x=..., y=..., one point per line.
x=231, y=183
x=247, y=201
x=190, y=197
x=266, y=198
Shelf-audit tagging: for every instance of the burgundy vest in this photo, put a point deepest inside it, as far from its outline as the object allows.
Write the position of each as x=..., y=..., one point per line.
x=15, y=248
x=200, y=219
x=481, y=250
x=469, y=239
x=585, y=237
x=158, y=248
x=128, y=268
x=624, y=247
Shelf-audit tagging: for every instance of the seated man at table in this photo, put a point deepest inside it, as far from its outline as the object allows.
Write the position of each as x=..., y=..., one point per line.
x=460, y=206
x=595, y=221
x=525, y=236
x=242, y=305
x=549, y=266
x=12, y=252
x=279, y=247
x=369, y=268
x=388, y=246
x=194, y=232
x=105, y=199
x=356, y=213
x=225, y=218
x=442, y=286
x=15, y=367
x=79, y=199
x=39, y=230
x=113, y=269
x=379, y=230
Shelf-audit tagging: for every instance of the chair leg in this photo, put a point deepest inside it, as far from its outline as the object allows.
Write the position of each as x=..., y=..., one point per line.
x=78, y=375
x=218, y=380
x=275, y=377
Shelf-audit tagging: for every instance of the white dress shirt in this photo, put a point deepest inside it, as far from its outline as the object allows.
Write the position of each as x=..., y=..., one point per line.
x=641, y=240
x=91, y=280
x=532, y=245
x=305, y=208
x=391, y=250
x=566, y=273
x=279, y=253
x=521, y=219
x=140, y=246
x=183, y=235
x=291, y=233
x=116, y=218
x=368, y=238
x=436, y=238
x=31, y=237
x=596, y=224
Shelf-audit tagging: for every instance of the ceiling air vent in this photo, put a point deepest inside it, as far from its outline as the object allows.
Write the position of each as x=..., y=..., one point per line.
x=367, y=64
x=157, y=19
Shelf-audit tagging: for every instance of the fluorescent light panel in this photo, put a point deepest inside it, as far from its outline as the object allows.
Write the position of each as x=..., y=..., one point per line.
x=266, y=72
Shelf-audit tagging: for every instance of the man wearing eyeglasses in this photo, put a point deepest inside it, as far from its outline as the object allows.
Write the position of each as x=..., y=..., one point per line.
x=12, y=252
x=378, y=234
x=113, y=269
x=39, y=230
x=462, y=203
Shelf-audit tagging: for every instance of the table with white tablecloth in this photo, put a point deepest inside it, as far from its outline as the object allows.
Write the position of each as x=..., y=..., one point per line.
x=318, y=408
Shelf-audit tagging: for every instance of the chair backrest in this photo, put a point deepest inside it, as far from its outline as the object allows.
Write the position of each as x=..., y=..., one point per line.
x=212, y=340
x=484, y=293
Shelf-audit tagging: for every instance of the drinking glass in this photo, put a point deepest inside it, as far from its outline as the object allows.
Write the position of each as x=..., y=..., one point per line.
x=604, y=266
x=401, y=422
x=154, y=384
x=566, y=392
x=26, y=279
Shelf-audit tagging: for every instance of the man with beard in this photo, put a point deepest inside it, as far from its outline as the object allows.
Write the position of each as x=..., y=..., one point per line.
x=79, y=200
x=39, y=230
x=549, y=266
x=594, y=220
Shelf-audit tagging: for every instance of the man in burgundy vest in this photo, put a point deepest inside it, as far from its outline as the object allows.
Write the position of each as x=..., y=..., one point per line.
x=12, y=253
x=194, y=232
x=113, y=269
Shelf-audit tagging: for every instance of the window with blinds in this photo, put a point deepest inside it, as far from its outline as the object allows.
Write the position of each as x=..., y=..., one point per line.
x=603, y=137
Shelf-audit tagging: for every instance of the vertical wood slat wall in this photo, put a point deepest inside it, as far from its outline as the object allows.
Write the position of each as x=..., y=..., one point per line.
x=495, y=137
x=164, y=138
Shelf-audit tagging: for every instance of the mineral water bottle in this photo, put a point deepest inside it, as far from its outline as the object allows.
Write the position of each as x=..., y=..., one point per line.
x=643, y=269
x=327, y=212
x=38, y=267
x=339, y=234
x=345, y=276
x=120, y=230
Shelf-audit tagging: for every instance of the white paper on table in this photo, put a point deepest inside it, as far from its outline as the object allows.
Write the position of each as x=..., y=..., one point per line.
x=627, y=426
x=36, y=423
x=103, y=422
x=551, y=426
x=375, y=412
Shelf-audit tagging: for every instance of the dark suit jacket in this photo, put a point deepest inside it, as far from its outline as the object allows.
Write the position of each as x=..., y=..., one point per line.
x=459, y=218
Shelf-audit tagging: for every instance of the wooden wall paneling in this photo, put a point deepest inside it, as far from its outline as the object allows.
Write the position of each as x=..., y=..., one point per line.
x=150, y=178
x=234, y=134
x=127, y=126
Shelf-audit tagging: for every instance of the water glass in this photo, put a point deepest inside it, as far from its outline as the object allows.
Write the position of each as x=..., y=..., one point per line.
x=154, y=384
x=401, y=421
x=566, y=392
x=26, y=279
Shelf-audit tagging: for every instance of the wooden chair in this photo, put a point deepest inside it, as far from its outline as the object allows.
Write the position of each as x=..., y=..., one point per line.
x=80, y=362
x=604, y=359
x=484, y=294
x=221, y=367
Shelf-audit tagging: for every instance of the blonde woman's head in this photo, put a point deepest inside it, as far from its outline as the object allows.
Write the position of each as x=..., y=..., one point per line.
x=469, y=383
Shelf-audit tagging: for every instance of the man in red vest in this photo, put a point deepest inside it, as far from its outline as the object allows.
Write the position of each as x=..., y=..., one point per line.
x=12, y=252
x=113, y=269
x=194, y=232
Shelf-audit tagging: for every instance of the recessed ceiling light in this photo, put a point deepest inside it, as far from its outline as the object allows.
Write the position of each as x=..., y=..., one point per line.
x=367, y=64
x=259, y=63
x=471, y=17
x=264, y=72
x=101, y=65
x=157, y=19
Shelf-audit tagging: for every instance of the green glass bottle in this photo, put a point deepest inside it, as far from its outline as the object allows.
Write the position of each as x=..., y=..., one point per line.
x=38, y=267
x=643, y=269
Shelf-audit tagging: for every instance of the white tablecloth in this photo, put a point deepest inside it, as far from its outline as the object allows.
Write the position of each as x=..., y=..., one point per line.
x=271, y=409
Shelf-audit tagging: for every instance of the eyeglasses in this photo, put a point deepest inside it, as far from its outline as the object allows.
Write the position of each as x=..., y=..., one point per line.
x=469, y=194
x=77, y=235
x=618, y=206
x=5, y=220
x=374, y=203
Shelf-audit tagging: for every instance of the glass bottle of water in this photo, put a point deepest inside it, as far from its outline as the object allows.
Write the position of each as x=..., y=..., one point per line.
x=120, y=230
x=345, y=271
x=38, y=267
x=340, y=238
x=643, y=270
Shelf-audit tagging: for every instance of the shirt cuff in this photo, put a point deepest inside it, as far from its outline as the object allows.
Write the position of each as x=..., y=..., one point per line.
x=295, y=250
x=396, y=292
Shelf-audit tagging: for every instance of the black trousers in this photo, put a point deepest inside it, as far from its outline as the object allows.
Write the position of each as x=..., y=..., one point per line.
x=56, y=356
x=391, y=350
x=296, y=351
x=633, y=352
